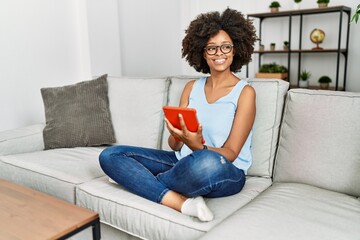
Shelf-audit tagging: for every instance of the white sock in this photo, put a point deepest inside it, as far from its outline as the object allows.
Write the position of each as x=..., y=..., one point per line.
x=196, y=207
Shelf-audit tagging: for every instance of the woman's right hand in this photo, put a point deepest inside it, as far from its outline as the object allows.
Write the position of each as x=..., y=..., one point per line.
x=194, y=140
x=174, y=143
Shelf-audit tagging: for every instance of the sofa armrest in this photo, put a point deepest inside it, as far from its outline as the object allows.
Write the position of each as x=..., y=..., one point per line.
x=21, y=140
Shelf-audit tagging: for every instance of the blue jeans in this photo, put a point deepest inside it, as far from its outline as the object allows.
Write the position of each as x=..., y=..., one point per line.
x=151, y=173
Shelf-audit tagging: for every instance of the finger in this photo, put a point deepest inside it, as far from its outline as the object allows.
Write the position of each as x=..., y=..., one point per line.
x=167, y=122
x=199, y=132
x=200, y=129
x=171, y=128
x=182, y=123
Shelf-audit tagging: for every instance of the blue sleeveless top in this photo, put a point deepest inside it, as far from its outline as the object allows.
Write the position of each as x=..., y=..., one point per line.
x=217, y=119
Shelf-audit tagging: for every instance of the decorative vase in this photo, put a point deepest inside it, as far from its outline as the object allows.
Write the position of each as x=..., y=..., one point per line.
x=303, y=83
x=324, y=86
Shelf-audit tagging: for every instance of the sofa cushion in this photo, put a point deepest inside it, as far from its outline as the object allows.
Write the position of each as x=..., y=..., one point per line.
x=77, y=115
x=320, y=140
x=270, y=96
x=293, y=211
x=136, y=109
x=148, y=220
x=20, y=140
x=55, y=172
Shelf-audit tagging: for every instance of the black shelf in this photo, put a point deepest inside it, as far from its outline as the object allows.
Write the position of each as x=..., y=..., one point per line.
x=289, y=14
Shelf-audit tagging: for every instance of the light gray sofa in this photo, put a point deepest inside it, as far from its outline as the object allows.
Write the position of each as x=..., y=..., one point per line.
x=304, y=182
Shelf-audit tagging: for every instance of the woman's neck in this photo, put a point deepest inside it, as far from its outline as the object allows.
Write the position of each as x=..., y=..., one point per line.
x=222, y=79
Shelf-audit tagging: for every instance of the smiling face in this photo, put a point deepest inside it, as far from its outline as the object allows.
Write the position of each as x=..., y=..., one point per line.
x=219, y=62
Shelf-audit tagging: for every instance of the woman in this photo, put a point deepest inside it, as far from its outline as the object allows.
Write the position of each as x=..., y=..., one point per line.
x=219, y=44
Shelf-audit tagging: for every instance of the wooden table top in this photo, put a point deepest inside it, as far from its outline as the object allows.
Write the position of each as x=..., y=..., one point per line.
x=29, y=214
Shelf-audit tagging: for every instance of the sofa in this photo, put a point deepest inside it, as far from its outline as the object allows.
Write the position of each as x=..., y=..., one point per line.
x=304, y=182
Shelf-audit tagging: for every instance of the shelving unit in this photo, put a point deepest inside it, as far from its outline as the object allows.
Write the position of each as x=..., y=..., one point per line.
x=290, y=14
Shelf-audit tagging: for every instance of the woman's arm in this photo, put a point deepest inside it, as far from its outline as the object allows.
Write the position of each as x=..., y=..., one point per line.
x=184, y=102
x=242, y=125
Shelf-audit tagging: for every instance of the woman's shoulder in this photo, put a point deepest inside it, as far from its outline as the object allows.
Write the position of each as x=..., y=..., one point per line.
x=189, y=85
x=247, y=94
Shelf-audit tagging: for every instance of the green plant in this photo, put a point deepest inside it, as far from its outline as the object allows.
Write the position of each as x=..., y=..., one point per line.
x=274, y=4
x=272, y=44
x=324, y=79
x=297, y=1
x=356, y=14
x=323, y=1
x=286, y=43
x=305, y=75
x=272, y=68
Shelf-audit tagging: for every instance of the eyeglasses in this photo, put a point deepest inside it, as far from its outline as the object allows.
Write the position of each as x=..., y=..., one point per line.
x=224, y=48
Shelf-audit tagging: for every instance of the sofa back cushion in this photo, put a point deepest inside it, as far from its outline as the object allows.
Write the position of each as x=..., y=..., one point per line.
x=270, y=95
x=319, y=143
x=270, y=98
x=136, y=109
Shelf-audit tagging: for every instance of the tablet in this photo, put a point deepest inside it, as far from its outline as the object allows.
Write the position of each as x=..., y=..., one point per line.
x=189, y=115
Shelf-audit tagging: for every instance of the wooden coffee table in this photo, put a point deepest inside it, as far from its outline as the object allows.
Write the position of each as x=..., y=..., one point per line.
x=29, y=214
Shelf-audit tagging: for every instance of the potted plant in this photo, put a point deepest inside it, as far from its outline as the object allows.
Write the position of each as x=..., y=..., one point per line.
x=272, y=46
x=274, y=6
x=324, y=82
x=261, y=47
x=286, y=45
x=272, y=70
x=355, y=17
x=323, y=3
x=304, y=77
x=297, y=4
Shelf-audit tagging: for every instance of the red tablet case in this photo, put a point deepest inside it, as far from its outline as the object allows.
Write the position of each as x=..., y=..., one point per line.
x=189, y=115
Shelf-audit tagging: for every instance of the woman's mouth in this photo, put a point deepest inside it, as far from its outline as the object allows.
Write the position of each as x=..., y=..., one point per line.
x=219, y=61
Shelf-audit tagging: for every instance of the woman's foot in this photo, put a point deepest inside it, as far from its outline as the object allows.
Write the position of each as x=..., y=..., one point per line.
x=196, y=207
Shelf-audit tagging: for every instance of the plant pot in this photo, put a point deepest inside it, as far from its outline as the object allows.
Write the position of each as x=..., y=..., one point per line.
x=274, y=9
x=323, y=5
x=303, y=84
x=282, y=76
x=261, y=48
x=324, y=86
x=286, y=47
x=272, y=47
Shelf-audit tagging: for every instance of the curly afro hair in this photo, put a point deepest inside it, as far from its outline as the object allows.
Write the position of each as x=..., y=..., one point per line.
x=207, y=25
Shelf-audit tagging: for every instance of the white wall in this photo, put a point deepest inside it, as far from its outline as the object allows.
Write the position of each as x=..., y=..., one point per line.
x=47, y=43
x=41, y=45
x=149, y=35
x=103, y=20
x=154, y=29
